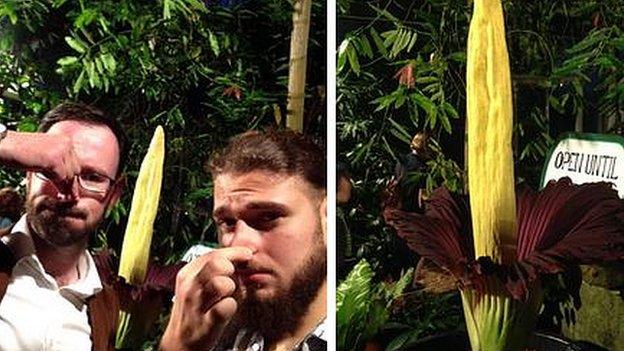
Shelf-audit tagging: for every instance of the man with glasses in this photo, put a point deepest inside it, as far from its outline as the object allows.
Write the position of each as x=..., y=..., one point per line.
x=51, y=297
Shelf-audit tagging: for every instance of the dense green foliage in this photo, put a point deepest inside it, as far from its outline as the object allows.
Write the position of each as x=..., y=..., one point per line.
x=363, y=307
x=401, y=70
x=203, y=70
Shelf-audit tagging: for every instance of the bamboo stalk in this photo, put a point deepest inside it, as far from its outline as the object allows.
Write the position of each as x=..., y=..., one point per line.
x=297, y=65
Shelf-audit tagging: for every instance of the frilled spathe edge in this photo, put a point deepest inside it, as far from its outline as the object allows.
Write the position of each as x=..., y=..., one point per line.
x=158, y=287
x=561, y=225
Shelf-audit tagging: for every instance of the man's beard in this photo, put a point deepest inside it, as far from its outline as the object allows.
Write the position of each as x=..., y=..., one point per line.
x=282, y=313
x=46, y=219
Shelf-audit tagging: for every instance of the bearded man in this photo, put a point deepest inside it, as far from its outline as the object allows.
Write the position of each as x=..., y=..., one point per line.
x=51, y=297
x=265, y=289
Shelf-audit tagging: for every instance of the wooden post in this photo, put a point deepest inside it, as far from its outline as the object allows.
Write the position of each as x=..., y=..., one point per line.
x=297, y=65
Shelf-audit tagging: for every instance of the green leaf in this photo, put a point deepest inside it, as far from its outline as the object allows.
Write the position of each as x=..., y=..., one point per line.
x=383, y=101
x=401, y=41
x=76, y=44
x=197, y=5
x=98, y=65
x=389, y=37
x=437, y=96
x=554, y=102
x=352, y=305
x=366, y=47
x=594, y=37
x=403, y=135
x=425, y=104
x=27, y=125
x=198, y=195
x=85, y=18
x=166, y=9
x=388, y=148
x=459, y=56
x=214, y=44
x=67, y=60
x=342, y=54
x=353, y=59
x=446, y=124
x=412, y=41
x=79, y=81
x=109, y=63
x=403, y=282
x=427, y=79
x=357, y=281
x=58, y=3
x=104, y=24
x=396, y=43
x=450, y=110
x=431, y=88
x=180, y=6
x=400, y=100
x=94, y=78
x=378, y=42
x=377, y=316
x=385, y=13
x=7, y=9
x=403, y=339
x=106, y=82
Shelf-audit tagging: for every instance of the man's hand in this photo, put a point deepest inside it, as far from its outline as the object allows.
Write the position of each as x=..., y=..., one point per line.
x=51, y=154
x=203, y=300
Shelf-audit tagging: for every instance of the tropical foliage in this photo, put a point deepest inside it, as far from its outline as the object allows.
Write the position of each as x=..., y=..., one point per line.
x=401, y=70
x=363, y=307
x=204, y=70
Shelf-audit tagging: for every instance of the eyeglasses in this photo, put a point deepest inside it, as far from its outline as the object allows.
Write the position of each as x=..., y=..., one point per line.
x=91, y=182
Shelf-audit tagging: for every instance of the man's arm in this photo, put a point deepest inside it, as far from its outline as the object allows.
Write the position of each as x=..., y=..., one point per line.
x=203, y=300
x=50, y=154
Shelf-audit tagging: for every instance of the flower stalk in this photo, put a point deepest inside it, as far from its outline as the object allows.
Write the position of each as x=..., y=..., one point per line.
x=495, y=321
x=133, y=264
x=490, y=124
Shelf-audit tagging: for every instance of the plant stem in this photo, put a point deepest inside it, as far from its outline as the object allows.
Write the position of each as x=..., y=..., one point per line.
x=498, y=322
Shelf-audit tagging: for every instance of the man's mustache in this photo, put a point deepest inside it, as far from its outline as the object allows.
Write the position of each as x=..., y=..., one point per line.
x=61, y=208
x=251, y=267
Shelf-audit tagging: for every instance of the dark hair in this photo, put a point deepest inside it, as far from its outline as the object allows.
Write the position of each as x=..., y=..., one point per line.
x=279, y=151
x=77, y=111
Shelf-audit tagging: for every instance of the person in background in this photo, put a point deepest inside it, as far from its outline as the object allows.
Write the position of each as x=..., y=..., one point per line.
x=411, y=175
x=345, y=259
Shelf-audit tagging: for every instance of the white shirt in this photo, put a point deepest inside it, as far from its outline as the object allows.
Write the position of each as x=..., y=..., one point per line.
x=37, y=315
x=253, y=341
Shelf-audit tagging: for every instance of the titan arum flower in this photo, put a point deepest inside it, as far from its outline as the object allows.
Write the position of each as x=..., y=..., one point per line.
x=138, y=309
x=140, y=303
x=498, y=246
